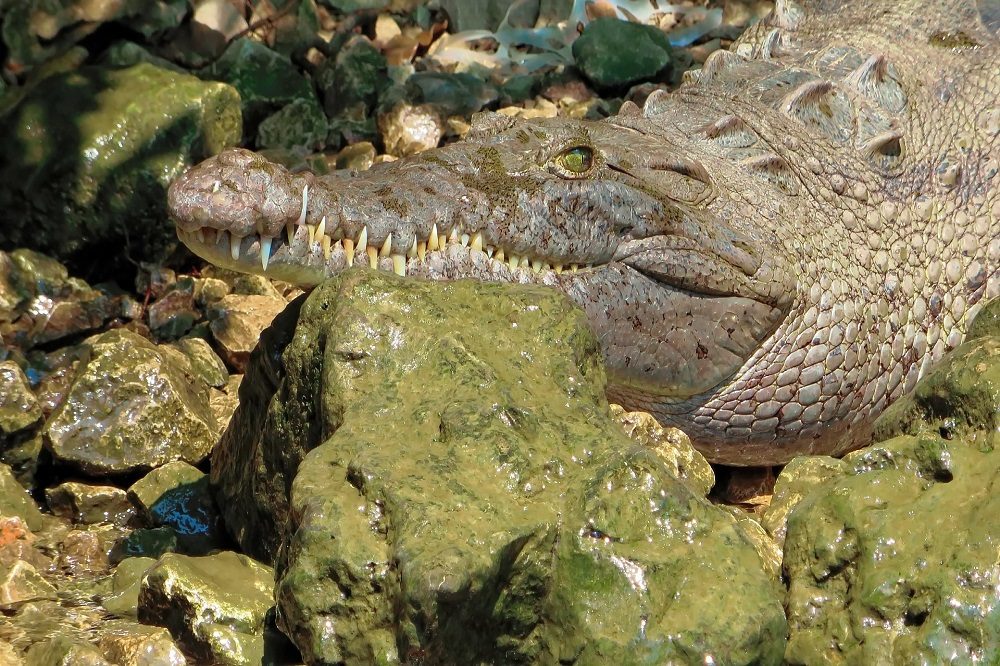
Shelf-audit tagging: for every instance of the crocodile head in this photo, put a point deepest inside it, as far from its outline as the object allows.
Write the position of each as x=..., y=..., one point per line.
x=679, y=282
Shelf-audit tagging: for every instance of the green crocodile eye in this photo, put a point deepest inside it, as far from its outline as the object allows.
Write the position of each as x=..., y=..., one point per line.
x=577, y=159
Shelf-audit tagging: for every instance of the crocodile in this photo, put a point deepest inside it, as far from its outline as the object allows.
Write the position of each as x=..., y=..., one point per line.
x=770, y=255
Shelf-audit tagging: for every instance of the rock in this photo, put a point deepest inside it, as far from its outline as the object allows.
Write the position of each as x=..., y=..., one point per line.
x=896, y=561
x=208, y=290
x=671, y=445
x=130, y=409
x=84, y=552
x=125, y=583
x=77, y=175
x=237, y=321
x=48, y=304
x=450, y=94
x=20, y=582
x=205, y=363
x=19, y=410
x=479, y=15
x=8, y=655
x=128, y=643
x=358, y=156
x=89, y=504
x=176, y=495
x=457, y=490
x=351, y=83
x=65, y=650
x=301, y=124
x=15, y=501
x=797, y=479
x=224, y=402
x=214, y=606
x=173, y=314
x=265, y=79
x=959, y=398
x=145, y=543
x=17, y=542
x=987, y=322
x=408, y=130
x=599, y=54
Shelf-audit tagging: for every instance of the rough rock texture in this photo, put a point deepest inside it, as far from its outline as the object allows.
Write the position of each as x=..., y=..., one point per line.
x=130, y=408
x=176, y=495
x=894, y=558
x=600, y=53
x=77, y=176
x=496, y=513
x=86, y=503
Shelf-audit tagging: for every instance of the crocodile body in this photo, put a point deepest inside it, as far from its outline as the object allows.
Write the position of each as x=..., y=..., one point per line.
x=770, y=255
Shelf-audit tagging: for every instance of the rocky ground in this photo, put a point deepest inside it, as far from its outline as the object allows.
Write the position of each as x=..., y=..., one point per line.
x=385, y=493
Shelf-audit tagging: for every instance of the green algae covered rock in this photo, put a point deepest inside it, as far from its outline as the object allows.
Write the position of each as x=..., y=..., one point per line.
x=893, y=559
x=130, y=408
x=89, y=178
x=602, y=56
x=15, y=501
x=214, y=606
x=458, y=490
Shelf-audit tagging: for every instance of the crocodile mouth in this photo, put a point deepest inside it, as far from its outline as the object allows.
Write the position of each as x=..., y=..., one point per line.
x=308, y=253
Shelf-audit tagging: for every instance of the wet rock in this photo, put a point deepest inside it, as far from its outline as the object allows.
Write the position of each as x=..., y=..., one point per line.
x=300, y=124
x=599, y=54
x=896, y=561
x=351, y=83
x=66, y=650
x=15, y=501
x=457, y=493
x=209, y=290
x=408, y=130
x=123, y=599
x=358, y=156
x=450, y=94
x=214, y=606
x=17, y=542
x=19, y=410
x=78, y=175
x=958, y=399
x=224, y=402
x=49, y=305
x=671, y=445
x=128, y=643
x=145, y=543
x=205, y=363
x=265, y=79
x=19, y=581
x=987, y=322
x=131, y=408
x=797, y=479
x=237, y=321
x=84, y=552
x=176, y=495
x=89, y=504
x=173, y=314
x=8, y=655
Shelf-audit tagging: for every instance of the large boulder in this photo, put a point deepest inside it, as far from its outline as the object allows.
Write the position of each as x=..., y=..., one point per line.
x=434, y=477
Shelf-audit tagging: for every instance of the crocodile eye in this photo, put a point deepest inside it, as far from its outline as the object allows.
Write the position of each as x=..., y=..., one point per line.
x=576, y=160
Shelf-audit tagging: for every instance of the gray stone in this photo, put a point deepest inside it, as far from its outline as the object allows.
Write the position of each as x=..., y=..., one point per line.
x=600, y=53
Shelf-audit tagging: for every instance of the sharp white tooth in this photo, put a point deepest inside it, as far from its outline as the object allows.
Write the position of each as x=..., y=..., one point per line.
x=216, y=186
x=500, y=256
x=372, y=257
x=200, y=235
x=432, y=242
x=412, y=252
x=234, y=246
x=321, y=227
x=265, y=251
x=513, y=261
x=348, y=250
x=421, y=251
x=490, y=250
x=557, y=268
x=325, y=243
x=464, y=239
x=312, y=232
x=453, y=236
x=477, y=241
x=386, y=248
x=536, y=265
x=574, y=267
x=290, y=230
x=363, y=240
x=399, y=265
x=305, y=202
